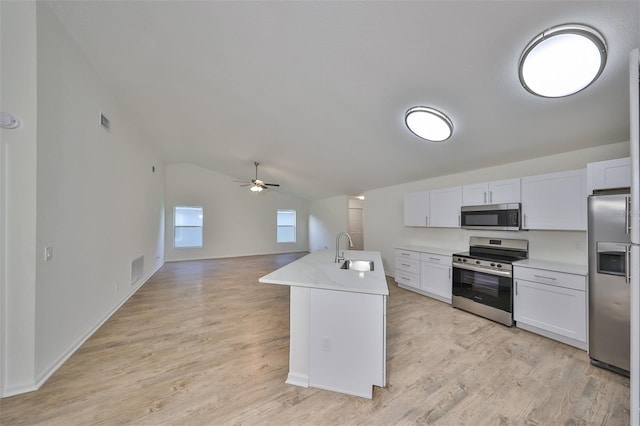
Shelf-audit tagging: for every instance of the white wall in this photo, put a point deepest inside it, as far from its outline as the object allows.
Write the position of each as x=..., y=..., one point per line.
x=237, y=222
x=383, y=218
x=18, y=196
x=327, y=218
x=93, y=198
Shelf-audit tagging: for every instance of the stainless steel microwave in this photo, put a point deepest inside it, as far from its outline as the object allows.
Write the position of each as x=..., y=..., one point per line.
x=503, y=217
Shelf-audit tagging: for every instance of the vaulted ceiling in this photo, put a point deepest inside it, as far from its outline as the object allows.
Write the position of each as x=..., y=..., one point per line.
x=316, y=91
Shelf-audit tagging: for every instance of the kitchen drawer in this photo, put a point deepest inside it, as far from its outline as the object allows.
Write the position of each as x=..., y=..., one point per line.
x=435, y=258
x=407, y=278
x=559, y=279
x=407, y=254
x=407, y=265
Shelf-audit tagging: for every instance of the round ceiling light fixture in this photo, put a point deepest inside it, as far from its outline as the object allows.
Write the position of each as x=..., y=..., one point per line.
x=562, y=60
x=428, y=123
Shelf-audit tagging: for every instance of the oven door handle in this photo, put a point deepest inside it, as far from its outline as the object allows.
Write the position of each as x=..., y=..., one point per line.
x=484, y=270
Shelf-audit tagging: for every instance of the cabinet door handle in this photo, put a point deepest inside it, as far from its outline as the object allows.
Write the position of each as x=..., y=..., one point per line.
x=524, y=216
x=405, y=254
x=516, y=288
x=434, y=258
x=426, y=220
x=490, y=196
x=449, y=273
x=404, y=264
x=545, y=278
x=485, y=198
x=458, y=220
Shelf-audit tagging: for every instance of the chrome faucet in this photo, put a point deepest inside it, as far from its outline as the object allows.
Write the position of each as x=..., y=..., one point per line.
x=338, y=257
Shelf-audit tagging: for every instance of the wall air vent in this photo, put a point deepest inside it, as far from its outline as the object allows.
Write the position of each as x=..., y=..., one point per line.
x=104, y=121
x=137, y=269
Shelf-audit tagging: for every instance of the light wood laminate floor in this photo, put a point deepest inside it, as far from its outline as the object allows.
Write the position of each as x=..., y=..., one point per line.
x=204, y=343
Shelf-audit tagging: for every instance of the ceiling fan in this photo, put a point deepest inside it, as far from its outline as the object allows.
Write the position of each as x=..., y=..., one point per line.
x=256, y=184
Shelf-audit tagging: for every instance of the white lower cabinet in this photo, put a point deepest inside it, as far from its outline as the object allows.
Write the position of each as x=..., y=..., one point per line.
x=407, y=268
x=435, y=276
x=425, y=272
x=551, y=303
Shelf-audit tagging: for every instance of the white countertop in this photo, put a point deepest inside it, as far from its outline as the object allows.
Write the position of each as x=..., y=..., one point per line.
x=318, y=270
x=569, y=268
x=424, y=249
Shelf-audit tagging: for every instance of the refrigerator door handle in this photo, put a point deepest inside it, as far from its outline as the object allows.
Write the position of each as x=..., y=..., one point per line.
x=627, y=215
x=627, y=264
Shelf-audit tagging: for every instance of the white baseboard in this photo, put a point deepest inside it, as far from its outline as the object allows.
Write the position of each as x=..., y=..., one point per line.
x=553, y=336
x=426, y=293
x=366, y=392
x=296, y=379
x=44, y=376
x=19, y=389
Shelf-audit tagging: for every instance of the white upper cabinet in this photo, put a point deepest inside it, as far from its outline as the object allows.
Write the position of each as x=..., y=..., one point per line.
x=498, y=192
x=437, y=208
x=444, y=207
x=416, y=209
x=609, y=174
x=555, y=201
x=504, y=191
x=475, y=194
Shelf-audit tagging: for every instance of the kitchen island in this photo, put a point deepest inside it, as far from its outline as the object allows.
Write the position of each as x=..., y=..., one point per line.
x=337, y=321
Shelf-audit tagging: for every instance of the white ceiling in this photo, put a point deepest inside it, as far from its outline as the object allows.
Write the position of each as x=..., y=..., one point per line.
x=317, y=90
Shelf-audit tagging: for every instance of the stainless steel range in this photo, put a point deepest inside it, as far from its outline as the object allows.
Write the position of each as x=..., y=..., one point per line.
x=483, y=277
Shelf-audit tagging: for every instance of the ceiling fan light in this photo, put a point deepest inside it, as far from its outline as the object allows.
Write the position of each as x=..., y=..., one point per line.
x=562, y=60
x=428, y=123
x=256, y=188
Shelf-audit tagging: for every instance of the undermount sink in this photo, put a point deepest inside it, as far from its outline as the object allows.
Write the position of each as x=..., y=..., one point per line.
x=358, y=265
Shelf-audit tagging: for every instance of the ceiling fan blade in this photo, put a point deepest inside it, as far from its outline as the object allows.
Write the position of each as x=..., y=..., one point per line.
x=256, y=184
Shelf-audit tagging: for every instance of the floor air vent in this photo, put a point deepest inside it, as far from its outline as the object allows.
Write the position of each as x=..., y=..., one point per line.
x=137, y=269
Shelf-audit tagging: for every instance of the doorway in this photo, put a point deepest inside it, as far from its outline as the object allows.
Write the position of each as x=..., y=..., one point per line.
x=356, y=228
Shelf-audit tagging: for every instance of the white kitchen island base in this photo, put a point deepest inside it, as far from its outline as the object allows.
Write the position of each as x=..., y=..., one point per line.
x=337, y=323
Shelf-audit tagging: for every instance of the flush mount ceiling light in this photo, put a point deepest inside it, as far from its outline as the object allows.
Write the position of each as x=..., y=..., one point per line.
x=428, y=123
x=562, y=60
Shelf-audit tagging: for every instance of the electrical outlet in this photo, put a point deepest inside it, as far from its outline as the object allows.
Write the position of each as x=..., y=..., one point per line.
x=48, y=253
x=326, y=344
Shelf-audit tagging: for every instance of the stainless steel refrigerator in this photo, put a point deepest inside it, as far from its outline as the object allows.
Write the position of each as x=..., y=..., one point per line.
x=609, y=280
x=634, y=137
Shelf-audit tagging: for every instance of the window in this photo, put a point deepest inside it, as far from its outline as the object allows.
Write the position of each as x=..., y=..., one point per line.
x=286, y=226
x=187, y=227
